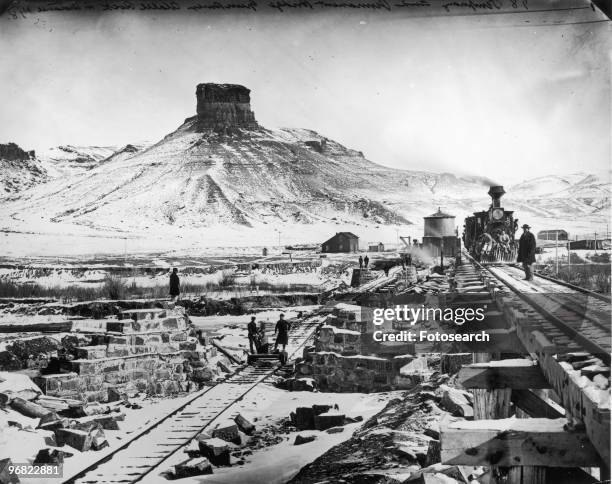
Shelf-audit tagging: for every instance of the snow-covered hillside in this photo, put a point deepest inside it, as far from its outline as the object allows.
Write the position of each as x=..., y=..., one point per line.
x=19, y=170
x=240, y=184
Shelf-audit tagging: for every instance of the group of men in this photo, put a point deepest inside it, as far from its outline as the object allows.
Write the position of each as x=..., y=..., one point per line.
x=363, y=262
x=257, y=335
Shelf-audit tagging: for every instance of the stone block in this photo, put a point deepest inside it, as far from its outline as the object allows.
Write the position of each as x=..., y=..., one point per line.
x=100, y=395
x=91, y=352
x=304, y=418
x=53, y=425
x=244, y=425
x=109, y=422
x=172, y=323
x=50, y=456
x=93, y=382
x=193, y=467
x=52, y=384
x=117, y=350
x=99, y=441
x=117, y=326
x=299, y=439
x=328, y=420
x=180, y=336
x=456, y=401
x=187, y=345
x=217, y=451
x=118, y=377
x=227, y=431
x=77, y=439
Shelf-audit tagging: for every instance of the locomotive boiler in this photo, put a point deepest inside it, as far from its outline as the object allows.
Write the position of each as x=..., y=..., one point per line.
x=489, y=236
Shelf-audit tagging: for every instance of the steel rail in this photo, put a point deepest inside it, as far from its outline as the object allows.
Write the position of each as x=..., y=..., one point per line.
x=589, y=345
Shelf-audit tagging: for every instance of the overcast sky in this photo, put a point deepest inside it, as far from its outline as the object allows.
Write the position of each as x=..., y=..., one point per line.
x=489, y=95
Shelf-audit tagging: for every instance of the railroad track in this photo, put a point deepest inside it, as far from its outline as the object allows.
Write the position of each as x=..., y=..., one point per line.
x=149, y=449
x=578, y=315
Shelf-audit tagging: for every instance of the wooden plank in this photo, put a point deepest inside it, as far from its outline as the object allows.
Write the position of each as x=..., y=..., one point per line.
x=535, y=405
x=515, y=442
x=502, y=375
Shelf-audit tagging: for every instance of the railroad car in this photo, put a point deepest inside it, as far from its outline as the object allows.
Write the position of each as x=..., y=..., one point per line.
x=489, y=236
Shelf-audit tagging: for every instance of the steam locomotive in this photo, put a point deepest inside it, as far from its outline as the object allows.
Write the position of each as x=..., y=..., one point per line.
x=489, y=236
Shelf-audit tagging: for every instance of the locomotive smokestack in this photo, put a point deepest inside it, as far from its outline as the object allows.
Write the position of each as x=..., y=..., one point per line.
x=496, y=193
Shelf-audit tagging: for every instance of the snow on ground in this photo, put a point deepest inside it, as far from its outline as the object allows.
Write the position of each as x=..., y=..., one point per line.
x=31, y=441
x=278, y=463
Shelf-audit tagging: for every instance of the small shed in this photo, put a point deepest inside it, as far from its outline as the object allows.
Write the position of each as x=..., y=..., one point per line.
x=555, y=234
x=341, y=242
x=376, y=247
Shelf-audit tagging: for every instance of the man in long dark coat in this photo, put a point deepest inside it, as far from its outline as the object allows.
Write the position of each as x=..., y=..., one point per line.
x=253, y=336
x=175, y=289
x=526, y=251
x=282, y=328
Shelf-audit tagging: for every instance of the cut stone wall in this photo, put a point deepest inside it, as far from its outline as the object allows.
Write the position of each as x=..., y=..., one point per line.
x=147, y=350
x=340, y=373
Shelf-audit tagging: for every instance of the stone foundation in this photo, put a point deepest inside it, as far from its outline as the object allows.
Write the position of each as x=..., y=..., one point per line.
x=145, y=351
x=338, y=373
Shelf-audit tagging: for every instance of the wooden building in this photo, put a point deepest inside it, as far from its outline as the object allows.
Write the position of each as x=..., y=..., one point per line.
x=341, y=242
x=376, y=247
x=556, y=234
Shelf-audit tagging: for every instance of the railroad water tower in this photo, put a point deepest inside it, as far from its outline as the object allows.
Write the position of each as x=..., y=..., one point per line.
x=440, y=231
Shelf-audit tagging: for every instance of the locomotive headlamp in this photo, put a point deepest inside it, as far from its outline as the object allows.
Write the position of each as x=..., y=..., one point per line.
x=497, y=213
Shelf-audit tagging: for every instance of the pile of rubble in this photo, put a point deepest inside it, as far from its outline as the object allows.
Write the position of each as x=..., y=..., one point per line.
x=401, y=443
x=59, y=423
x=222, y=446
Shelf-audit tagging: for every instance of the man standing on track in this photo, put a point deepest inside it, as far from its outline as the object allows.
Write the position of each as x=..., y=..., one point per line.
x=252, y=332
x=282, y=328
x=526, y=251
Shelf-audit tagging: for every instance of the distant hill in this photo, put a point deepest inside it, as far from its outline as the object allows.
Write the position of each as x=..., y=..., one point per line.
x=220, y=169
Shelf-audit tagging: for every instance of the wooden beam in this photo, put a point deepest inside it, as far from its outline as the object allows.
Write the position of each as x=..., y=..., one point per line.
x=517, y=373
x=580, y=405
x=535, y=405
x=515, y=442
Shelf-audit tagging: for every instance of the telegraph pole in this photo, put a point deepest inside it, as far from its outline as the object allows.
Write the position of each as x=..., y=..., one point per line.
x=557, y=254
